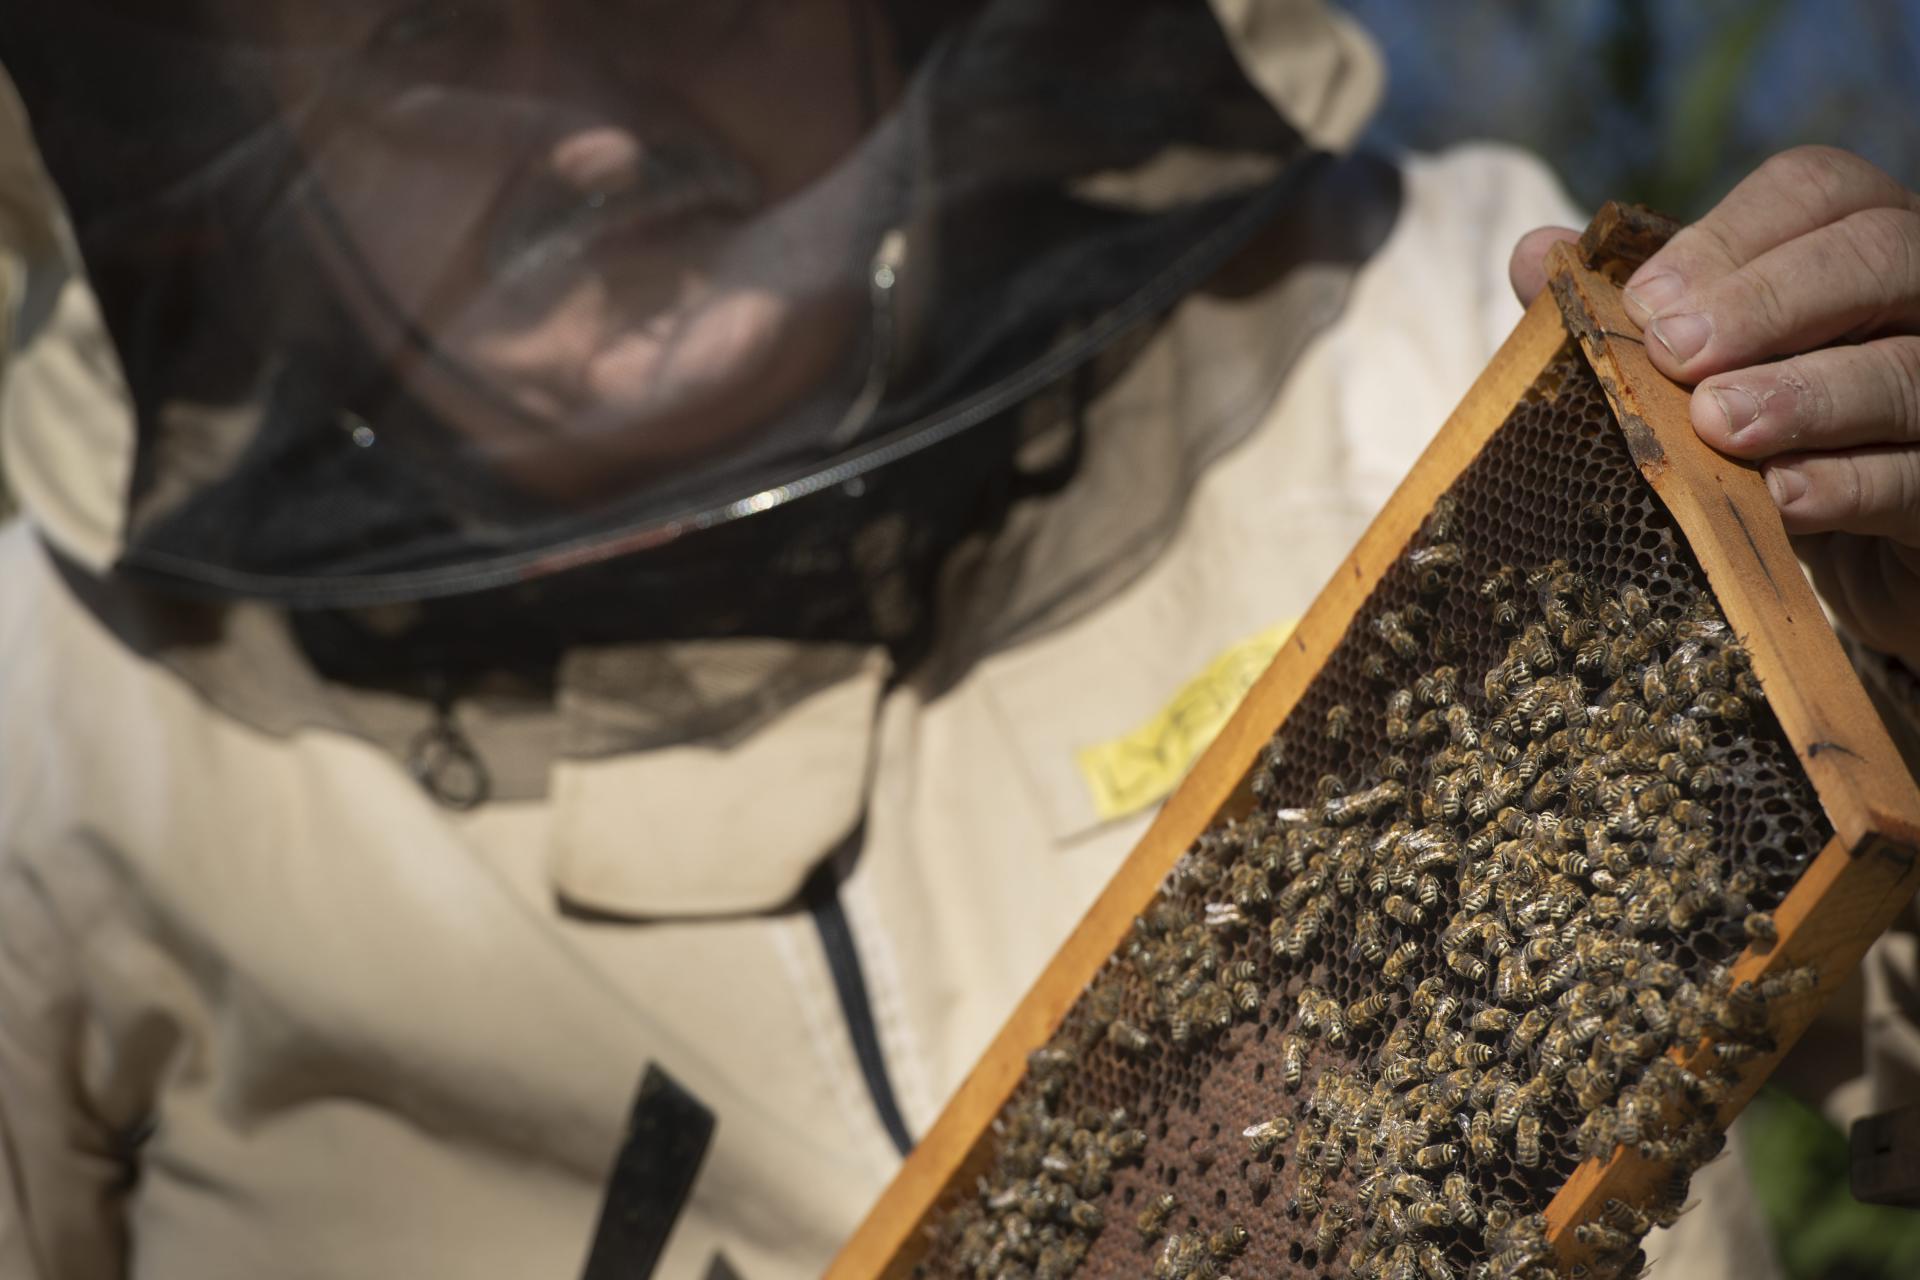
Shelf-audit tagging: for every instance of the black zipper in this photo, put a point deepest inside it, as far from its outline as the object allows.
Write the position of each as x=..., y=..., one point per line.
x=821, y=894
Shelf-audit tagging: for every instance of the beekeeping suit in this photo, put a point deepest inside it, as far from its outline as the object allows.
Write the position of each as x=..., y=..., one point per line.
x=596, y=590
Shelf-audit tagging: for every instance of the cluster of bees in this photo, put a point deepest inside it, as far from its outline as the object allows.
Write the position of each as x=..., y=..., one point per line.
x=1472, y=954
x=1042, y=1207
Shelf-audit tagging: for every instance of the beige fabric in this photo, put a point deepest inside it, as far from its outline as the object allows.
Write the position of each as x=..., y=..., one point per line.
x=624, y=848
x=361, y=1037
x=66, y=431
x=1318, y=64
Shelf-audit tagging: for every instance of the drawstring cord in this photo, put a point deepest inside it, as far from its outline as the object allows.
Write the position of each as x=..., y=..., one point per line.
x=443, y=761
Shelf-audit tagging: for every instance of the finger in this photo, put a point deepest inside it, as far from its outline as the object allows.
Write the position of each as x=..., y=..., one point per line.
x=1527, y=268
x=1790, y=195
x=1858, y=275
x=1873, y=587
x=1831, y=399
x=1875, y=491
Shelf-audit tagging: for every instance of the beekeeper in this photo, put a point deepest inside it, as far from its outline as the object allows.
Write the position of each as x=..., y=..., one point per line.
x=599, y=585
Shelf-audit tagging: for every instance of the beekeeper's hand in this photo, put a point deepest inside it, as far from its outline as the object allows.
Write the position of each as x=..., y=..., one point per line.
x=1793, y=309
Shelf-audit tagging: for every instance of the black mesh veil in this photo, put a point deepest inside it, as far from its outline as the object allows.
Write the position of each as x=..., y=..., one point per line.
x=423, y=299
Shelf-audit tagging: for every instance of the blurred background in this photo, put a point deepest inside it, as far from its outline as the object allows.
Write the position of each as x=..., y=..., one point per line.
x=1671, y=104
x=1668, y=104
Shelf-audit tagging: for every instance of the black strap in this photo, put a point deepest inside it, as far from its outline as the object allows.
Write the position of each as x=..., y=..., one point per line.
x=667, y=1138
x=821, y=893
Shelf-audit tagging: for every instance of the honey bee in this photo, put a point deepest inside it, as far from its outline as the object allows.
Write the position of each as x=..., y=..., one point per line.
x=1434, y=1264
x=1536, y=648
x=1582, y=1030
x=1715, y=705
x=1480, y=1142
x=1429, y=1213
x=1760, y=928
x=1399, y=960
x=1343, y=810
x=1590, y=660
x=1224, y=915
x=1407, y=913
x=1559, y=975
x=1086, y=1215
x=1436, y=1156
x=1526, y=1139
x=1293, y=1061
x=1366, y=1011
x=1433, y=566
x=1049, y=1060
x=1460, y=728
x=1330, y=1229
x=1391, y=627
x=1512, y=984
x=1154, y=1218
x=1444, y=798
x=1058, y=1260
x=1339, y=722
x=1795, y=981
x=1249, y=886
x=1399, y=1071
x=1263, y=1137
x=1509, y=1107
x=1502, y=582
x=1653, y=1009
x=1370, y=938
x=1477, y=894
x=1601, y=1236
x=1228, y=1243
x=1439, y=687
x=1492, y=1018
x=1126, y=1143
x=1127, y=1038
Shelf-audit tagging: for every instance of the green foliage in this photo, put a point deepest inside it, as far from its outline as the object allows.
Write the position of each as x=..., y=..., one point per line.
x=1798, y=1162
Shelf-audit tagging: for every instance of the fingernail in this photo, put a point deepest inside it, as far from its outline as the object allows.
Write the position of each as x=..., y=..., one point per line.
x=1684, y=334
x=1786, y=485
x=1738, y=406
x=1649, y=294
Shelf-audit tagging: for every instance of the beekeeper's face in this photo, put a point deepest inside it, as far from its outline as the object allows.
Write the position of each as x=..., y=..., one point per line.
x=599, y=239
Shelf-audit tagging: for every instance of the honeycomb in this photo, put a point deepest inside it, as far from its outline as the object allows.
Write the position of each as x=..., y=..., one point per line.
x=1496, y=863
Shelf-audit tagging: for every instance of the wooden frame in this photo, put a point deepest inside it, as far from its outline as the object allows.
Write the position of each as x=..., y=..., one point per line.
x=1849, y=895
x=1861, y=881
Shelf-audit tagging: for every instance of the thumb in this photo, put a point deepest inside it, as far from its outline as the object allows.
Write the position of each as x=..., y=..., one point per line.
x=1527, y=268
